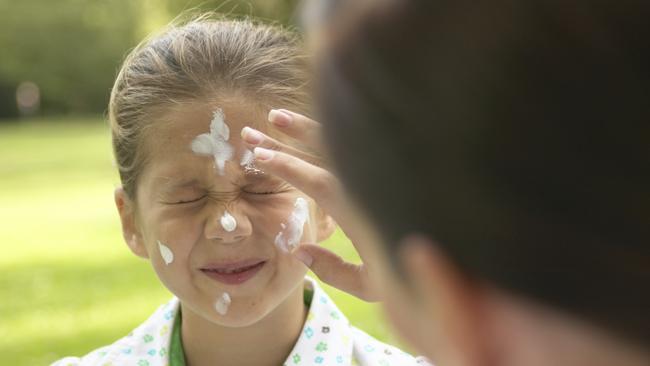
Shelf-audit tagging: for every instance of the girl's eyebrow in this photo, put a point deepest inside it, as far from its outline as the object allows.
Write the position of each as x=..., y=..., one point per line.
x=261, y=177
x=256, y=175
x=170, y=183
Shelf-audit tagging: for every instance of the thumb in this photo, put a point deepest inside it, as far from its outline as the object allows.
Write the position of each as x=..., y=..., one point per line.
x=333, y=270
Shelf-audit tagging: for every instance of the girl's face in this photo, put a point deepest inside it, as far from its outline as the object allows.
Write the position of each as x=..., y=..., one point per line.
x=210, y=233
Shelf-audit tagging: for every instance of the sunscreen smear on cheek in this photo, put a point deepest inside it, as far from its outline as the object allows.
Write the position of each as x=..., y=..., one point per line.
x=166, y=253
x=289, y=237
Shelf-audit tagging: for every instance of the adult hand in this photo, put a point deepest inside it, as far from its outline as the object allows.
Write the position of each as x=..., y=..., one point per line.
x=307, y=171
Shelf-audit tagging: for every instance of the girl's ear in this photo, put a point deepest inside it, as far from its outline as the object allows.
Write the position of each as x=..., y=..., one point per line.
x=130, y=230
x=325, y=225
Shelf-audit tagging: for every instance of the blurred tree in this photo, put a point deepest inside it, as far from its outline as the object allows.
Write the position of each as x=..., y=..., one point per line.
x=281, y=11
x=72, y=48
x=8, y=108
x=69, y=48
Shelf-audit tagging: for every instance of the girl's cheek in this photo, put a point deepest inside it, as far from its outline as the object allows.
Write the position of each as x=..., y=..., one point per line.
x=171, y=243
x=171, y=239
x=267, y=215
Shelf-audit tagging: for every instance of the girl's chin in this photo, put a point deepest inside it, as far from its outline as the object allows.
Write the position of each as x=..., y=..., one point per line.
x=243, y=305
x=237, y=317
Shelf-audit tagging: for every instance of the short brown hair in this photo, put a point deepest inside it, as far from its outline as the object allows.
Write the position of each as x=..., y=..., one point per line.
x=204, y=57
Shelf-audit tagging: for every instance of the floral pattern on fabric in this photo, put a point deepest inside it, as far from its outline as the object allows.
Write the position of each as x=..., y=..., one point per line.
x=327, y=338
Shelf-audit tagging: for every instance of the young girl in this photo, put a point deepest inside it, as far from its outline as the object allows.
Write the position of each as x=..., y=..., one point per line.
x=217, y=230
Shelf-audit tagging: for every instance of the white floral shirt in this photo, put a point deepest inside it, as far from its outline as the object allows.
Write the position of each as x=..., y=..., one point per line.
x=327, y=339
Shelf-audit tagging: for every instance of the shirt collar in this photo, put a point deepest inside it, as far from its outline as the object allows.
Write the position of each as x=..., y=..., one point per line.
x=148, y=344
x=326, y=337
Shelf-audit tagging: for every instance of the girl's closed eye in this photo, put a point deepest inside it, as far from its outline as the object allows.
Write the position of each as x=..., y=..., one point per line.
x=181, y=201
x=182, y=197
x=266, y=188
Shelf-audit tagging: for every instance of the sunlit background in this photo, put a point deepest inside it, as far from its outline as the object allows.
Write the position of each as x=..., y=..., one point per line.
x=68, y=284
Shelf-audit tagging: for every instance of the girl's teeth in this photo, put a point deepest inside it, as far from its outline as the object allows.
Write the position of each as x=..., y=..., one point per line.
x=230, y=271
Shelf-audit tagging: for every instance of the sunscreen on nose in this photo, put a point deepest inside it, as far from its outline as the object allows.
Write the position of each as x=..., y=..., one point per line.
x=228, y=222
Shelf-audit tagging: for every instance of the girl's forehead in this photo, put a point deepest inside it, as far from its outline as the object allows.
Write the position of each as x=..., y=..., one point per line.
x=195, y=118
x=174, y=128
x=169, y=141
x=177, y=125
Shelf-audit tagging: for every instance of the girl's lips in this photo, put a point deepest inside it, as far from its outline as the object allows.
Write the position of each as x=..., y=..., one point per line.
x=235, y=273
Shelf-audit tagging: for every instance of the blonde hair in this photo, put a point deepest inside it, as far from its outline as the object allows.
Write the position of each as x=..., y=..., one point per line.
x=199, y=59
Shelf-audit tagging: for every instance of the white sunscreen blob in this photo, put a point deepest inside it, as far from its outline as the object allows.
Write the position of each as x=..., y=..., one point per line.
x=247, y=158
x=165, y=253
x=215, y=143
x=228, y=222
x=222, y=304
x=248, y=162
x=289, y=238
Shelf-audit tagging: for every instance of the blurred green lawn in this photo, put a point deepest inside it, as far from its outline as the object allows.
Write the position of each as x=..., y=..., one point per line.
x=68, y=284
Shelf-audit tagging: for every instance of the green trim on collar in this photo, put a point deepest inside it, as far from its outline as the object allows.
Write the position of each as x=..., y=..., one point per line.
x=176, y=353
x=307, y=296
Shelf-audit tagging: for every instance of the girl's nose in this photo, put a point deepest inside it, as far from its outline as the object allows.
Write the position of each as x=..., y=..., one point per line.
x=228, y=227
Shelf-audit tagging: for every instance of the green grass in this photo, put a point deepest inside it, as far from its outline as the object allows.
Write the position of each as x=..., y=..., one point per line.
x=68, y=284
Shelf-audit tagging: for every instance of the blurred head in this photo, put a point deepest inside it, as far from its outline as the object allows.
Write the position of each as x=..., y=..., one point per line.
x=511, y=142
x=210, y=229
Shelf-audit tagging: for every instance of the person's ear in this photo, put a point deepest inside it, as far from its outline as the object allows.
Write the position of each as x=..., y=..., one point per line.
x=449, y=306
x=325, y=225
x=130, y=230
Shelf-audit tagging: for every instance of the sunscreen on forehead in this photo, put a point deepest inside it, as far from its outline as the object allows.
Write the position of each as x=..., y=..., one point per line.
x=247, y=158
x=215, y=142
x=248, y=162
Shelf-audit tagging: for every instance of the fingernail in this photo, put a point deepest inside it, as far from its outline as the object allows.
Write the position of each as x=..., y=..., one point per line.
x=304, y=257
x=262, y=154
x=280, y=117
x=251, y=136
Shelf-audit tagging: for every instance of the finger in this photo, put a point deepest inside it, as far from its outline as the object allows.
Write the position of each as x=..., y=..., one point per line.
x=326, y=191
x=322, y=186
x=298, y=126
x=313, y=180
x=255, y=138
x=335, y=271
